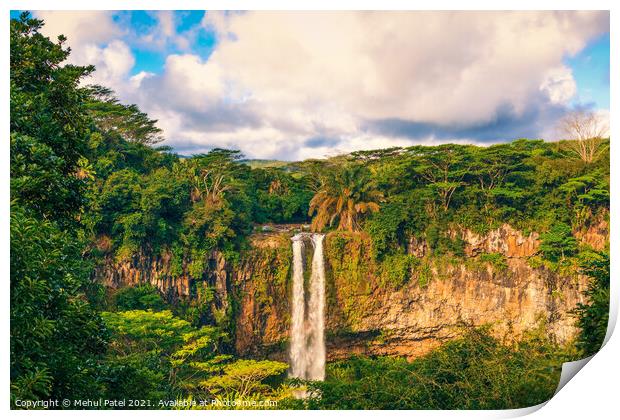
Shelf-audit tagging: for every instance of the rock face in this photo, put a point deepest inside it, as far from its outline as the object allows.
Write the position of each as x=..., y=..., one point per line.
x=504, y=240
x=157, y=270
x=144, y=269
x=368, y=314
x=597, y=235
x=413, y=320
x=261, y=288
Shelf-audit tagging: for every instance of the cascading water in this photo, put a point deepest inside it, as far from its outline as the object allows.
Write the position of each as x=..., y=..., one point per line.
x=307, y=354
x=316, y=316
x=298, y=338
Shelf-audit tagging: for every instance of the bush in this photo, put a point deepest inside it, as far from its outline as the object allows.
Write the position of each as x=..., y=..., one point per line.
x=397, y=269
x=441, y=243
x=474, y=372
x=558, y=243
x=56, y=335
x=139, y=297
x=496, y=259
x=594, y=315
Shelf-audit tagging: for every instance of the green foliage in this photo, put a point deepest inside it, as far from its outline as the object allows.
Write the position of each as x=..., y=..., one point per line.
x=56, y=337
x=496, y=259
x=593, y=316
x=245, y=377
x=176, y=262
x=151, y=353
x=558, y=243
x=441, y=243
x=270, y=275
x=139, y=330
x=401, y=215
x=199, y=309
x=349, y=260
x=48, y=123
x=139, y=297
x=397, y=269
x=126, y=121
x=155, y=355
x=425, y=274
x=520, y=183
x=585, y=194
x=347, y=194
x=281, y=198
x=474, y=372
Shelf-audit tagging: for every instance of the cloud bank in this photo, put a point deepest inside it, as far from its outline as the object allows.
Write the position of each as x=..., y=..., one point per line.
x=294, y=85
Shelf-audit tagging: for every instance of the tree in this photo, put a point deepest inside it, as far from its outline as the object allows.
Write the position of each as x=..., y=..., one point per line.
x=142, y=297
x=558, y=242
x=346, y=195
x=474, y=372
x=496, y=168
x=49, y=123
x=588, y=131
x=243, y=378
x=281, y=196
x=442, y=167
x=593, y=316
x=57, y=338
x=128, y=121
x=156, y=350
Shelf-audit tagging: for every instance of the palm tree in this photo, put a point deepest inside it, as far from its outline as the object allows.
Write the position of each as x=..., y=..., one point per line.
x=346, y=195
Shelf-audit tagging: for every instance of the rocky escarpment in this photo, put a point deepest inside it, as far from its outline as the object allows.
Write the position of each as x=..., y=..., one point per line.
x=498, y=282
x=158, y=270
x=365, y=314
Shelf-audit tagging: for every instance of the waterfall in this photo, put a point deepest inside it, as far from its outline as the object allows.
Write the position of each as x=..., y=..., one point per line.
x=316, y=316
x=307, y=351
x=298, y=357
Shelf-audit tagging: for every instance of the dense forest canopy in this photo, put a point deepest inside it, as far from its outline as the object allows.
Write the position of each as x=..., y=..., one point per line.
x=89, y=180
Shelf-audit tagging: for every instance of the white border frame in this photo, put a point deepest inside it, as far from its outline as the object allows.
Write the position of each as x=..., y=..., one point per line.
x=592, y=393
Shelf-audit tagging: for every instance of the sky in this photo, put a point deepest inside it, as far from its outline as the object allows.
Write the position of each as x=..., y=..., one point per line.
x=297, y=85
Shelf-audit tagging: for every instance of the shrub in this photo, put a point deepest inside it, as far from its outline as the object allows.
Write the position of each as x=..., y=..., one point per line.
x=496, y=259
x=473, y=372
x=139, y=297
x=397, y=269
x=594, y=315
x=558, y=243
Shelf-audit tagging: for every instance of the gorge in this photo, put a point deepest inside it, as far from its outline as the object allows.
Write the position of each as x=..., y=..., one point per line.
x=364, y=312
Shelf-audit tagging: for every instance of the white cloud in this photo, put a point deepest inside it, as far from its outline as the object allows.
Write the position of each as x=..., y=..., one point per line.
x=277, y=79
x=113, y=63
x=439, y=67
x=559, y=85
x=136, y=79
x=80, y=27
x=94, y=39
x=165, y=32
x=325, y=74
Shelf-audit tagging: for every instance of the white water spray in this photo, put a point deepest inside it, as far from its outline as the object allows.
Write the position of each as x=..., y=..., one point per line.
x=298, y=338
x=316, y=316
x=307, y=354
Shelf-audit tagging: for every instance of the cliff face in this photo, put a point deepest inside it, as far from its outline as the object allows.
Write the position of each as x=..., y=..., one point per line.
x=157, y=271
x=369, y=313
x=416, y=318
